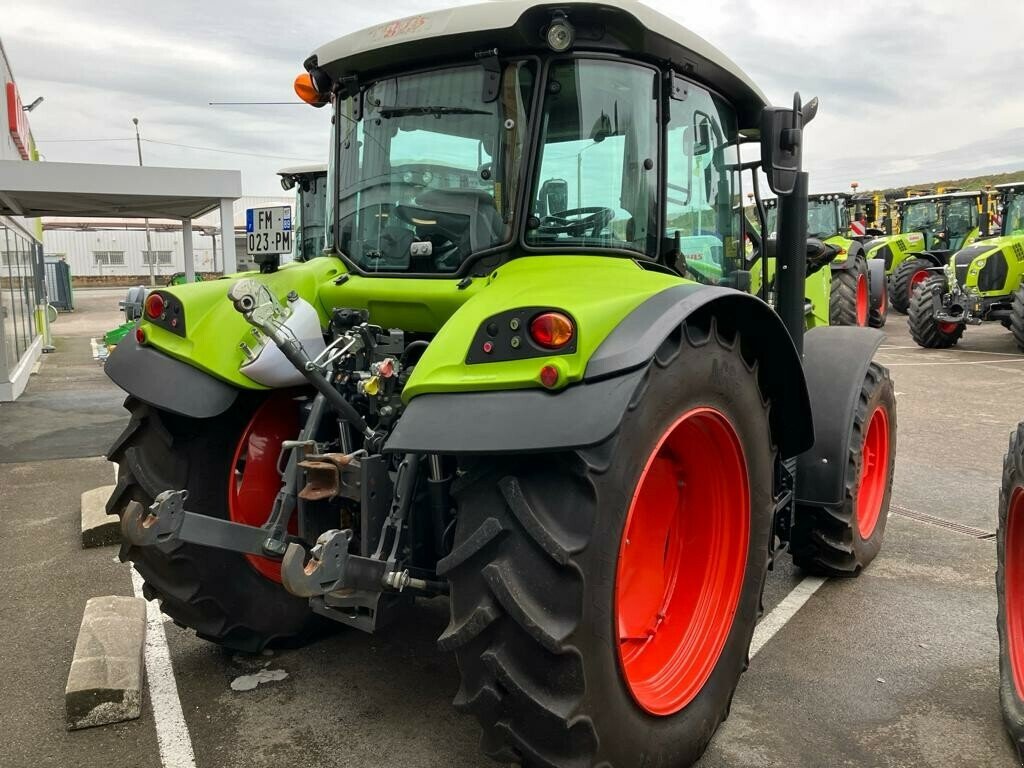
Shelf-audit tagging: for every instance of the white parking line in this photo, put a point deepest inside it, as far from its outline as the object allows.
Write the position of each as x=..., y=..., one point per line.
x=172, y=736
x=955, y=362
x=958, y=351
x=784, y=611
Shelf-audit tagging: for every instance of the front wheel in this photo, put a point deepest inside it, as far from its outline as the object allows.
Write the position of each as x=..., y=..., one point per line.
x=603, y=600
x=1017, y=318
x=841, y=541
x=926, y=329
x=1010, y=589
x=850, y=299
x=905, y=280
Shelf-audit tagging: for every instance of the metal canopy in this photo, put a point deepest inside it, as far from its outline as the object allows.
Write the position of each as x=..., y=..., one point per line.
x=87, y=189
x=125, y=191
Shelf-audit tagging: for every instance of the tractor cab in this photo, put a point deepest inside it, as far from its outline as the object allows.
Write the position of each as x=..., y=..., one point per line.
x=827, y=215
x=871, y=212
x=946, y=222
x=581, y=143
x=1010, y=209
x=310, y=185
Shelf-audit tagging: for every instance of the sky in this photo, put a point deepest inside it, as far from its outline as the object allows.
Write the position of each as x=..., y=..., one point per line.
x=910, y=91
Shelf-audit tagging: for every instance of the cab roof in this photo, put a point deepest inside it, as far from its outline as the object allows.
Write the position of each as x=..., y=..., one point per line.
x=515, y=27
x=304, y=170
x=1010, y=186
x=944, y=196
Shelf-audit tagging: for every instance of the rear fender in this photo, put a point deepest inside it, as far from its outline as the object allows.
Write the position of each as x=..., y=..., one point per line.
x=847, y=261
x=836, y=360
x=877, y=282
x=166, y=383
x=590, y=412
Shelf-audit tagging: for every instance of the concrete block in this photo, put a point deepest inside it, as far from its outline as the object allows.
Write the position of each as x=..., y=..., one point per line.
x=99, y=528
x=105, y=681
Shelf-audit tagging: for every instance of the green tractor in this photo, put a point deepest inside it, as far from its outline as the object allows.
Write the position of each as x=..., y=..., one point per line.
x=1010, y=589
x=980, y=283
x=310, y=219
x=931, y=228
x=853, y=291
x=503, y=385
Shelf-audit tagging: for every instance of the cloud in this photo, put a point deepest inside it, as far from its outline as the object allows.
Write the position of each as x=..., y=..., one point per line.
x=909, y=90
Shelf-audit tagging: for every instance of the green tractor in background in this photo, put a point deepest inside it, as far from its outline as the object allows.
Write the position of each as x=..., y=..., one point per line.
x=309, y=223
x=505, y=385
x=980, y=283
x=931, y=228
x=852, y=291
x=1010, y=589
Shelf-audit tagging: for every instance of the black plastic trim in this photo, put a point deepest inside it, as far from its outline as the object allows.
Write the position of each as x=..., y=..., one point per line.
x=514, y=421
x=636, y=339
x=836, y=360
x=166, y=383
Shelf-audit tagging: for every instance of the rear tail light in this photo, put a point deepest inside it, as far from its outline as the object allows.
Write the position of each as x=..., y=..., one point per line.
x=552, y=330
x=140, y=336
x=155, y=306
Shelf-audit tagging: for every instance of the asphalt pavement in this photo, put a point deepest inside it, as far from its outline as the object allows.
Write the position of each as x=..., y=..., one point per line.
x=897, y=667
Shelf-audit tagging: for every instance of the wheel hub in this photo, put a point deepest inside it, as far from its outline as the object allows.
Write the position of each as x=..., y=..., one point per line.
x=682, y=560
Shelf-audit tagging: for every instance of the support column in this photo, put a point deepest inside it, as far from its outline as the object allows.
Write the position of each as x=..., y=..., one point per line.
x=186, y=239
x=227, y=238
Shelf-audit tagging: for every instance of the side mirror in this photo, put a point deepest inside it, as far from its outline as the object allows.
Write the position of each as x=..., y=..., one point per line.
x=781, y=143
x=701, y=135
x=554, y=196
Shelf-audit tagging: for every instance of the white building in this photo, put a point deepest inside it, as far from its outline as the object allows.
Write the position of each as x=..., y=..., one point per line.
x=114, y=250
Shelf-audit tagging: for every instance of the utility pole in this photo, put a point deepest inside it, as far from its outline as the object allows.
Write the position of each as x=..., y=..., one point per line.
x=151, y=257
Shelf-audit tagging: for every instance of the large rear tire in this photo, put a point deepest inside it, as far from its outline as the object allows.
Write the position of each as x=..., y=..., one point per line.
x=905, y=280
x=924, y=328
x=1017, y=318
x=850, y=299
x=843, y=541
x=583, y=634
x=223, y=597
x=1010, y=589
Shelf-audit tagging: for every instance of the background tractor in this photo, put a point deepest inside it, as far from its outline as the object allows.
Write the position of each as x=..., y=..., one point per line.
x=1010, y=588
x=856, y=292
x=931, y=228
x=980, y=283
x=873, y=212
x=506, y=385
x=310, y=219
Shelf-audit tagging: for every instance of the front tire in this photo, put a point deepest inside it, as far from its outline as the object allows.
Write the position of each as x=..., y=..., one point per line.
x=905, y=280
x=547, y=604
x=1017, y=318
x=925, y=329
x=1010, y=589
x=850, y=299
x=844, y=540
x=223, y=597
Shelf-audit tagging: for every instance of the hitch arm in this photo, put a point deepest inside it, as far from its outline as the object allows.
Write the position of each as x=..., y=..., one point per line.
x=166, y=519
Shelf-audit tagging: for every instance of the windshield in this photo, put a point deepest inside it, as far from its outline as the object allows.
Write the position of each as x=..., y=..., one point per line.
x=597, y=180
x=1013, y=214
x=822, y=218
x=310, y=215
x=428, y=176
x=918, y=217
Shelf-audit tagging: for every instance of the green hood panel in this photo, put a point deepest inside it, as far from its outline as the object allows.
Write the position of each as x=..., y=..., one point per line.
x=597, y=291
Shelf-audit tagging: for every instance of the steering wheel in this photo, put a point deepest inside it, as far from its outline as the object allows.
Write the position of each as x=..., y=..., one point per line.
x=576, y=221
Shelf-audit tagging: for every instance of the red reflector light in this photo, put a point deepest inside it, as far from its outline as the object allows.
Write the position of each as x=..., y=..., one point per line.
x=155, y=305
x=140, y=336
x=551, y=330
x=549, y=376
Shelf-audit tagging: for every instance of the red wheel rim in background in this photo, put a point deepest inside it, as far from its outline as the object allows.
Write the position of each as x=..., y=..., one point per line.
x=916, y=279
x=863, y=300
x=682, y=561
x=874, y=472
x=947, y=328
x=1013, y=587
x=253, y=480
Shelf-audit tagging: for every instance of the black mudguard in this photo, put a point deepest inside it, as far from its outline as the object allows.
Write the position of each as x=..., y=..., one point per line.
x=877, y=282
x=836, y=359
x=589, y=413
x=166, y=383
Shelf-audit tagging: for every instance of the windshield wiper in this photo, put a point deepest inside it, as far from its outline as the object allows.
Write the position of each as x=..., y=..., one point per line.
x=436, y=111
